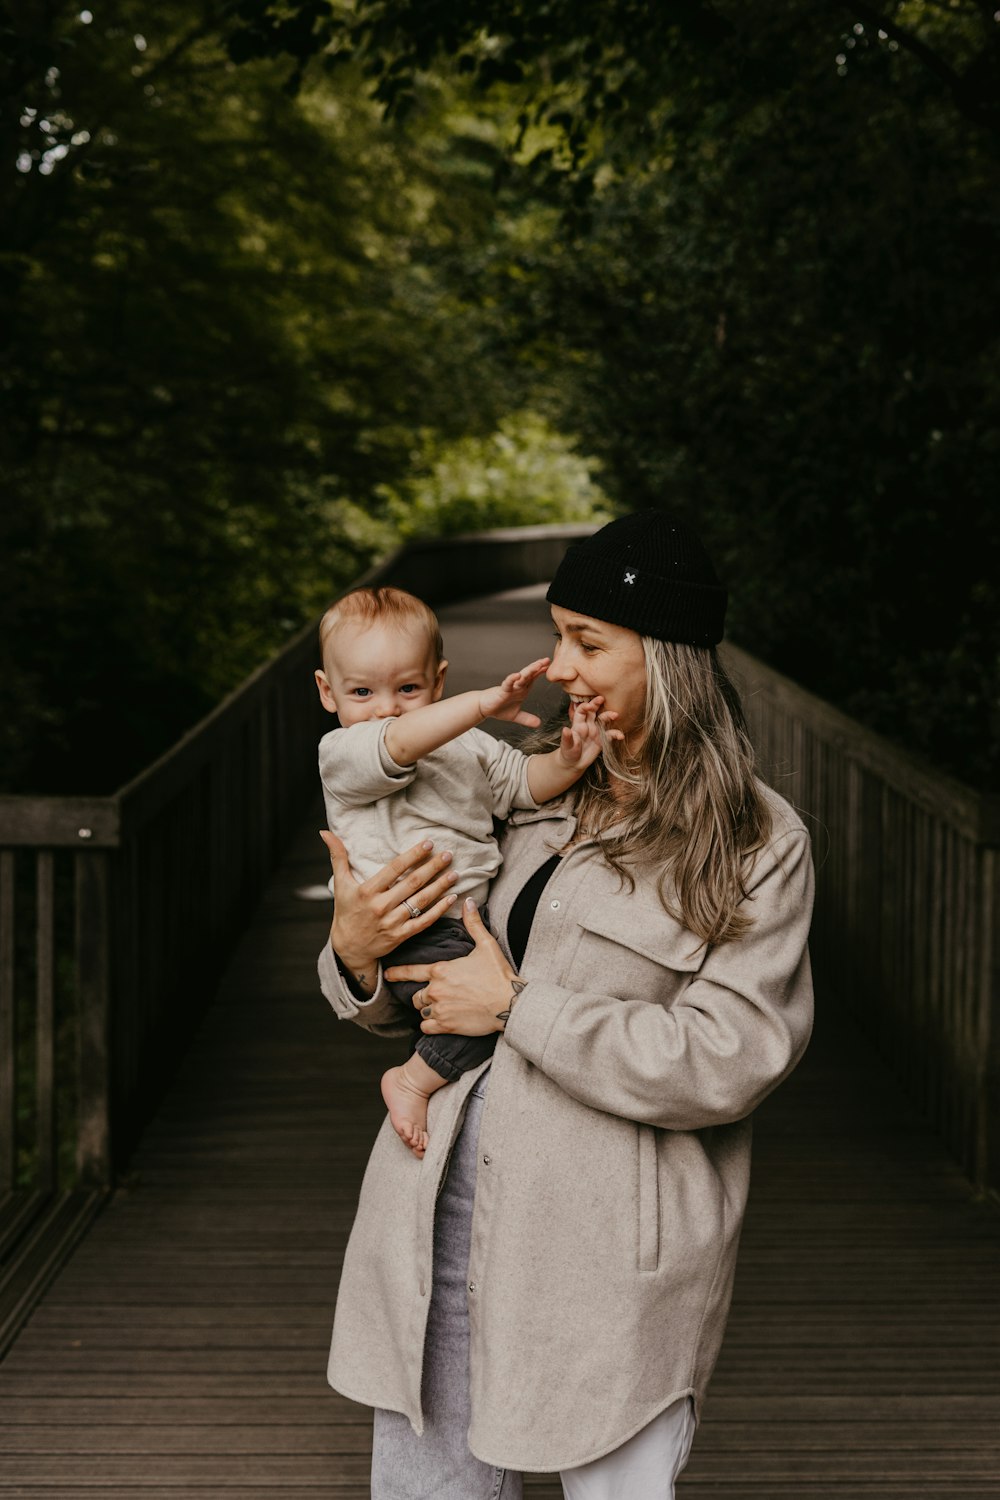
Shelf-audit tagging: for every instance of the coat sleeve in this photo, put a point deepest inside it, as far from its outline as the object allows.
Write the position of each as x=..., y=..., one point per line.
x=731, y=1036
x=382, y=1014
x=507, y=770
x=355, y=767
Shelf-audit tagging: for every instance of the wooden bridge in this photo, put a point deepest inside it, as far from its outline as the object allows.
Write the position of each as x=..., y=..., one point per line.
x=170, y=1258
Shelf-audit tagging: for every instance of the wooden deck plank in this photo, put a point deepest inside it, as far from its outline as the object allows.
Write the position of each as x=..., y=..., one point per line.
x=182, y=1351
x=348, y=1489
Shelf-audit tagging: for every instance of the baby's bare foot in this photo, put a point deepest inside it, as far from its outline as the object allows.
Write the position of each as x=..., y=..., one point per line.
x=407, y=1108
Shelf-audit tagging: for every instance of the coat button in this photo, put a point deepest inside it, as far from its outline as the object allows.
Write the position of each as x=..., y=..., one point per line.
x=555, y=905
x=487, y=1160
x=472, y=1286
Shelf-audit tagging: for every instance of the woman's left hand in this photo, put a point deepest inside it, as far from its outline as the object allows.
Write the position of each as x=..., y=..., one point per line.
x=465, y=995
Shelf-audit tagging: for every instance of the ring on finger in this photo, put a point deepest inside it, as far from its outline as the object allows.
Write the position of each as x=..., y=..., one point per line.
x=425, y=1011
x=413, y=909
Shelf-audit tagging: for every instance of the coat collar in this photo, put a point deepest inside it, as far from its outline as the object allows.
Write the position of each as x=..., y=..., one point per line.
x=559, y=808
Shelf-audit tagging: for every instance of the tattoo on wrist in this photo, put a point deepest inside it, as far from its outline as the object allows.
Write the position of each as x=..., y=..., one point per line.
x=516, y=986
x=363, y=978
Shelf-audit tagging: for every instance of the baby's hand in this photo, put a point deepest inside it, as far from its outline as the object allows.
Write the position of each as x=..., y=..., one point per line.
x=504, y=702
x=581, y=742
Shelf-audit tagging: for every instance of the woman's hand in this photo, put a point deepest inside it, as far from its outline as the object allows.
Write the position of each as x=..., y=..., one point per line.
x=464, y=995
x=371, y=917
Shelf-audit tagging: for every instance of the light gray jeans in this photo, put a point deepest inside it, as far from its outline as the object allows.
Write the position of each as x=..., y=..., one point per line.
x=438, y=1465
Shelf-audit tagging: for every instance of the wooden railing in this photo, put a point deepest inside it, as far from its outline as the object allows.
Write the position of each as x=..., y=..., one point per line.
x=117, y=915
x=907, y=900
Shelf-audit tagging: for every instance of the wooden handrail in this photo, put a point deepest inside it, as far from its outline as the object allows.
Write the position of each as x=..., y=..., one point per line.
x=907, y=902
x=973, y=814
x=59, y=822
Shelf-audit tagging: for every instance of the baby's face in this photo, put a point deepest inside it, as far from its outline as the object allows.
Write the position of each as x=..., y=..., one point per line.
x=379, y=672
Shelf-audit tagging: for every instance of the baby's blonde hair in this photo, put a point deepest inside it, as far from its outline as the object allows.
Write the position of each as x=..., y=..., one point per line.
x=382, y=605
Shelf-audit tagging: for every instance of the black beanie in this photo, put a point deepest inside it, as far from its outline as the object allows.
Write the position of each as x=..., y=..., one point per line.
x=648, y=571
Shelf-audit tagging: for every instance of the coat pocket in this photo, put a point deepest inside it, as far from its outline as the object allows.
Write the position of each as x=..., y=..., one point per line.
x=641, y=926
x=649, y=1200
x=623, y=951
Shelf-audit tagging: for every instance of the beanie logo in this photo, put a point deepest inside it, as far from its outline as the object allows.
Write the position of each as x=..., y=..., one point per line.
x=629, y=578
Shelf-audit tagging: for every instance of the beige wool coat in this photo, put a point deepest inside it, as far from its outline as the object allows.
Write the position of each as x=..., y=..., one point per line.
x=614, y=1156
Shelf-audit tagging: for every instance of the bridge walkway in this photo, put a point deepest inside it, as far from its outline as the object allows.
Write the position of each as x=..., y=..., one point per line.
x=182, y=1350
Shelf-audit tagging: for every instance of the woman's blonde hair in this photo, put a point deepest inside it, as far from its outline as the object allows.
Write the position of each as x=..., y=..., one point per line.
x=694, y=809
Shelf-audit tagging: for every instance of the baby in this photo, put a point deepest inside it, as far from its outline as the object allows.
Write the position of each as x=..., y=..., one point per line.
x=407, y=764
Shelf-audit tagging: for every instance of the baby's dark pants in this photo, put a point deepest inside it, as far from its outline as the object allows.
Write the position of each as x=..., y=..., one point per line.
x=451, y=1055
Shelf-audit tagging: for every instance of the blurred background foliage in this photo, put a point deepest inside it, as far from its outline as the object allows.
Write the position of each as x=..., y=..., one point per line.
x=288, y=282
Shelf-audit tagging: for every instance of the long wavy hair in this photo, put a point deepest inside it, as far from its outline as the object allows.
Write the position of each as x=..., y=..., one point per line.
x=693, y=808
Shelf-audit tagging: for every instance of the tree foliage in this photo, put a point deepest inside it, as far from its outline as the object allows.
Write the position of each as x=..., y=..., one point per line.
x=287, y=279
x=769, y=298
x=525, y=473
x=233, y=317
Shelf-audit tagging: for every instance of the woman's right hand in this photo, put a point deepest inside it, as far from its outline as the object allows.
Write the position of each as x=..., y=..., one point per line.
x=371, y=918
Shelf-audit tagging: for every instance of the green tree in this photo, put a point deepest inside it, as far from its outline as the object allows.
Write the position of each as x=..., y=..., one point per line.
x=771, y=280
x=525, y=473
x=229, y=311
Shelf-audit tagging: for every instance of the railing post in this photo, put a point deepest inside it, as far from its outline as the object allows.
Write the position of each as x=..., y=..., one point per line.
x=45, y=1022
x=8, y=1028
x=988, y=1131
x=93, y=966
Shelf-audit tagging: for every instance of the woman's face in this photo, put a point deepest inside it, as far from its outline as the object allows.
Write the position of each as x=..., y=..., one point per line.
x=592, y=657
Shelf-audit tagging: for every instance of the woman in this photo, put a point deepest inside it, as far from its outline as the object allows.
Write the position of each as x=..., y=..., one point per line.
x=651, y=983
